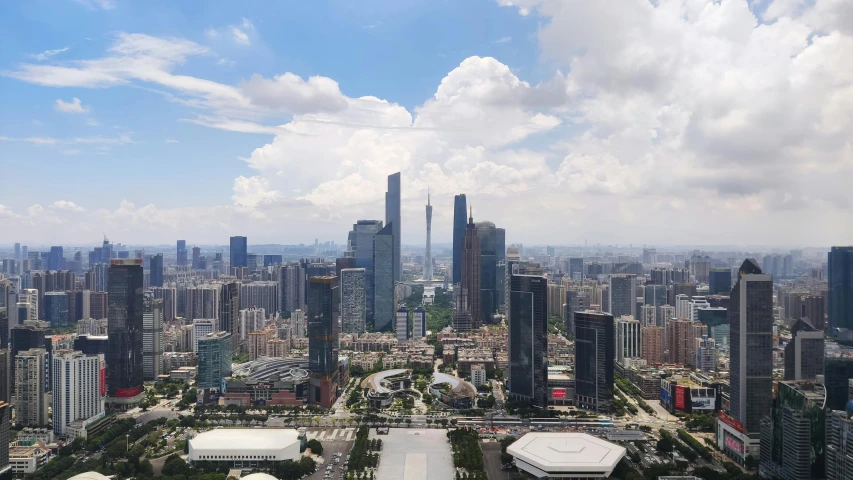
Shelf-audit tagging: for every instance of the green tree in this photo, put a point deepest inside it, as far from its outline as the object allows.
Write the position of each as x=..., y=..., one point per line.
x=315, y=446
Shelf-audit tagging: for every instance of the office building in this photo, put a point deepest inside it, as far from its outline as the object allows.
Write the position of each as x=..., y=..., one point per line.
x=124, y=347
x=383, y=279
x=353, y=300
x=77, y=393
x=229, y=311
x=720, y=281
x=804, y=353
x=840, y=277
x=55, y=259
x=196, y=258
x=392, y=218
x=31, y=388
x=239, y=253
x=293, y=283
x=794, y=433
x=628, y=339
x=360, y=246
x=705, y=354
x=460, y=215
x=653, y=345
x=487, y=234
x=214, y=360
x=323, y=301
x=814, y=308
x=528, y=340
x=202, y=327
x=6, y=365
x=263, y=294
x=839, y=444
x=5, y=427
x=838, y=370
x=428, y=254
x=751, y=359
x=471, y=285
x=401, y=325
x=622, y=294
x=181, y=254
x=419, y=323
x=91, y=344
x=56, y=309
x=594, y=360
x=152, y=339
x=155, y=267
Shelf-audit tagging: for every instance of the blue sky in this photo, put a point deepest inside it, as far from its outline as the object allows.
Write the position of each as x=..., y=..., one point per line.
x=280, y=120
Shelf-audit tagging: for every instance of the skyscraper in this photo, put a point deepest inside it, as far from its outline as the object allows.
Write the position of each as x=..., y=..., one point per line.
x=156, y=270
x=460, y=212
x=594, y=357
x=55, y=259
x=392, y=217
x=239, y=252
x=401, y=325
x=528, y=340
x=428, y=255
x=804, y=352
x=56, y=309
x=487, y=234
x=77, y=393
x=622, y=292
x=720, y=281
x=17, y=251
x=751, y=379
x=353, y=300
x=152, y=339
x=196, y=257
x=124, y=316
x=30, y=382
x=383, y=279
x=794, y=433
x=229, y=297
x=470, y=274
x=839, y=445
x=323, y=302
x=360, y=245
x=182, y=253
x=840, y=263
x=419, y=323
x=214, y=360
x=628, y=338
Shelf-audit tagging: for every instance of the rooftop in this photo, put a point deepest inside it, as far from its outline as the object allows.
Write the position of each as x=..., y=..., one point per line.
x=552, y=452
x=245, y=438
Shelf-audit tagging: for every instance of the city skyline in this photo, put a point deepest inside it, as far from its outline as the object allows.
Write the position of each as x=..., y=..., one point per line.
x=537, y=108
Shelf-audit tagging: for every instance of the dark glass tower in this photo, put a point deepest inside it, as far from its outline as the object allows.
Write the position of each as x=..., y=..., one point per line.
x=528, y=339
x=469, y=297
x=392, y=217
x=487, y=233
x=719, y=281
x=751, y=331
x=460, y=214
x=323, y=302
x=239, y=252
x=840, y=278
x=384, y=309
x=55, y=259
x=595, y=352
x=804, y=352
x=182, y=252
x=156, y=269
x=229, y=311
x=124, y=327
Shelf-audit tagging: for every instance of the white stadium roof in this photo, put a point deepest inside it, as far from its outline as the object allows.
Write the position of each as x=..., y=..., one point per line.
x=227, y=444
x=89, y=476
x=565, y=455
x=258, y=476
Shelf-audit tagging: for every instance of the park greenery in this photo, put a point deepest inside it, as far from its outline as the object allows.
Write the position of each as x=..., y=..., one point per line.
x=702, y=450
x=467, y=453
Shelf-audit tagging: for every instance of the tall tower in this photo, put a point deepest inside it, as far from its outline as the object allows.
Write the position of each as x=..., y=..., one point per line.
x=594, y=357
x=428, y=256
x=528, y=339
x=392, y=218
x=460, y=209
x=323, y=302
x=383, y=279
x=840, y=276
x=470, y=271
x=181, y=253
x=239, y=255
x=124, y=327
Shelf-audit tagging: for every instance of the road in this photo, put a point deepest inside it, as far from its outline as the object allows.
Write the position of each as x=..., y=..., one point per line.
x=492, y=459
x=334, y=440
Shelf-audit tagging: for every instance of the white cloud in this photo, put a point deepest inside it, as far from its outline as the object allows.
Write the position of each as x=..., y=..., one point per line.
x=67, y=206
x=97, y=4
x=74, y=106
x=240, y=36
x=48, y=53
x=503, y=40
x=171, y=140
x=212, y=33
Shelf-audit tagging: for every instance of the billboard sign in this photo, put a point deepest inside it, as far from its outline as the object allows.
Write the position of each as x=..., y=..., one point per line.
x=730, y=421
x=664, y=396
x=680, y=397
x=734, y=444
x=558, y=393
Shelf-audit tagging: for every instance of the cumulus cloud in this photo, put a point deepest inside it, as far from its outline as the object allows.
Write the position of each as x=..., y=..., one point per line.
x=66, y=206
x=74, y=106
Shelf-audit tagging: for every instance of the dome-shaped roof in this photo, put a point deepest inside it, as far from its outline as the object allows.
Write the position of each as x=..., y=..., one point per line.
x=258, y=476
x=89, y=476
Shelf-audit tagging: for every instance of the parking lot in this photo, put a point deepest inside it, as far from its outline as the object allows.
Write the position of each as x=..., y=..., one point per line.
x=334, y=440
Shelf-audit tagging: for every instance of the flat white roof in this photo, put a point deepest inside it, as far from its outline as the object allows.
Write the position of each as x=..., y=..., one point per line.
x=244, y=439
x=565, y=453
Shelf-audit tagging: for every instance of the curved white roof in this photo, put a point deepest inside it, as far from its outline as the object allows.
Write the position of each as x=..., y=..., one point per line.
x=258, y=476
x=374, y=382
x=89, y=476
x=224, y=444
x=540, y=453
x=456, y=383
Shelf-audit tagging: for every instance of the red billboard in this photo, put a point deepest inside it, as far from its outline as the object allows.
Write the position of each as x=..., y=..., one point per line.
x=128, y=392
x=734, y=444
x=680, y=397
x=558, y=393
x=730, y=421
x=103, y=379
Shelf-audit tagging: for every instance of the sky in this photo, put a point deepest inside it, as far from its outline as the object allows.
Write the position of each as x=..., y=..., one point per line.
x=563, y=121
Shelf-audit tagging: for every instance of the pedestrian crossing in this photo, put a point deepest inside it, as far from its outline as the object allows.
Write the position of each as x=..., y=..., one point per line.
x=332, y=435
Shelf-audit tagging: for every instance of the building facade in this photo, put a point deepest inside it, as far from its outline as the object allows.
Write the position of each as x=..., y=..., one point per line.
x=31, y=388
x=528, y=339
x=125, y=331
x=595, y=354
x=323, y=301
x=152, y=339
x=214, y=360
x=78, y=388
x=353, y=300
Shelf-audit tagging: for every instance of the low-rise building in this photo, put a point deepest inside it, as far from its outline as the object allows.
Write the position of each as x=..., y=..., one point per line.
x=27, y=459
x=245, y=447
x=478, y=375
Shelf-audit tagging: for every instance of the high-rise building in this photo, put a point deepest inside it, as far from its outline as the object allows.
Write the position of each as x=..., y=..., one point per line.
x=229, y=311
x=202, y=327
x=251, y=320
x=383, y=279
x=298, y=326
x=681, y=335
x=751, y=357
x=152, y=339
x=720, y=281
x=323, y=342
x=30, y=388
x=652, y=344
x=292, y=286
x=56, y=309
x=575, y=270
x=353, y=300
x=814, y=308
x=5, y=427
x=838, y=370
x=196, y=258
x=259, y=294
x=575, y=300
x=77, y=388
x=840, y=276
x=428, y=255
x=705, y=354
x=528, y=340
x=6, y=365
x=839, y=444
x=17, y=251
x=471, y=271
x=182, y=253
x=156, y=269
x=460, y=214
x=594, y=360
x=487, y=234
x=256, y=342
x=622, y=292
x=239, y=252
x=795, y=433
x=401, y=325
x=392, y=218
x=628, y=339
x=419, y=323
x=804, y=352
x=124, y=349
x=214, y=360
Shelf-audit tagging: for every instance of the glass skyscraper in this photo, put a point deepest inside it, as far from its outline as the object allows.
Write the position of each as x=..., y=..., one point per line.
x=384, y=307
x=392, y=217
x=239, y=252
x=460, y=215
x=124, y=327
x=181, y=254
x=528, y=339
x=840, y=276
x=323, y=302
x=487, y=233
x=214, y=359
x=595, y=352
x=353, y=300
x=156, y=270
x=361, y=247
